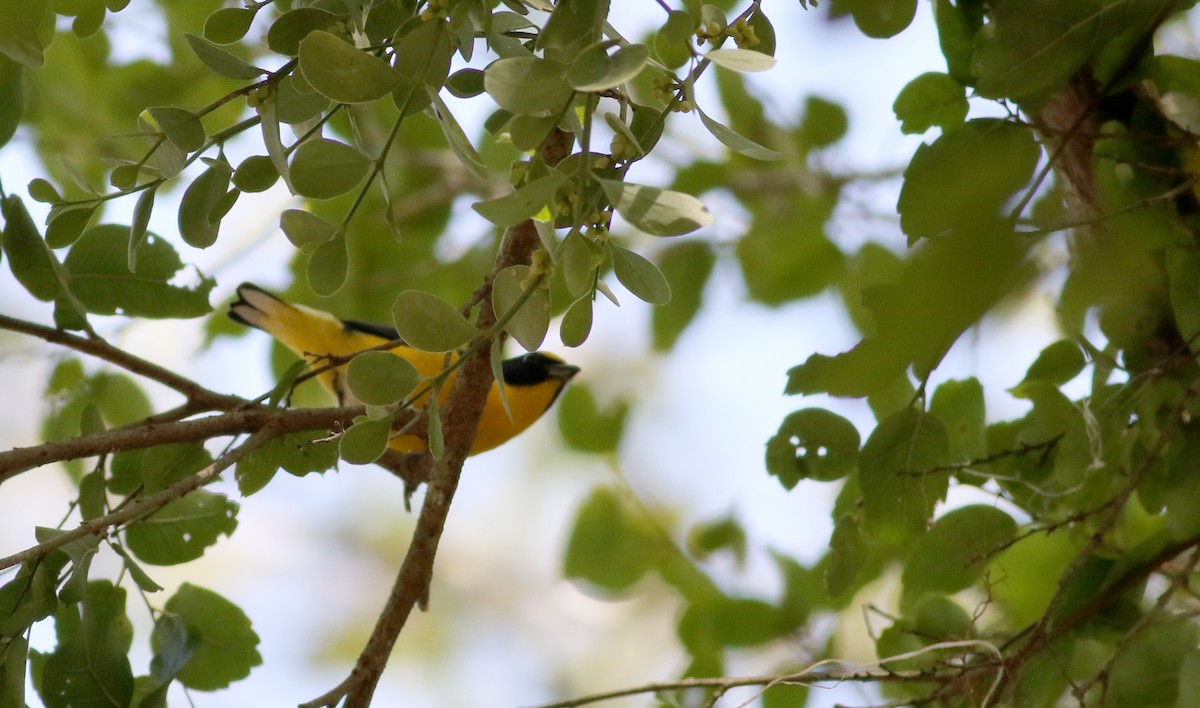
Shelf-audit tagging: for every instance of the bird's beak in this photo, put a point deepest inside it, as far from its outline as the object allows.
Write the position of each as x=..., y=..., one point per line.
x=565, y=372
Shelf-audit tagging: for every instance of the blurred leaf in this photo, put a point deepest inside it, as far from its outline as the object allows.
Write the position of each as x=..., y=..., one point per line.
x=101, y=280
x=825, y=123
x=928, y=100
x=182, y=530
x=429, y=323
x=612, y=544
x=944, y=188
x=90, y=666
x=960, y=405
x=957, y=25
x=954, y=554
x=673, y=41
x=1148, y=669
x=1057, y=364
x=687, y=267
x=786, y=255
x=573, y=25
x=322, y=169
x=20, y=39
x=220, y=634
x=896, y=474
x=380, y=378
x=812, y=443
x=724, y=534
x=343, y=73
x=1055, y=37
x=847, y=556
x=587, y=428
x=12, y=99
x=880, y=18
x=1019, y=574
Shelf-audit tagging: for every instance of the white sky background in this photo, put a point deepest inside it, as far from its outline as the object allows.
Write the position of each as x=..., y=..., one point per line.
x=313, y=555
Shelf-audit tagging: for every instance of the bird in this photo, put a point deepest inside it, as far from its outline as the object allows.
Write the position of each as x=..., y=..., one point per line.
x=532, y=381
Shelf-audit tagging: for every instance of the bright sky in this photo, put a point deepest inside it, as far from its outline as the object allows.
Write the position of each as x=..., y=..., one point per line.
x=315, y=554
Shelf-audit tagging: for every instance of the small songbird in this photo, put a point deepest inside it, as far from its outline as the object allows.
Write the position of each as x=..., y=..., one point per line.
x=532, y=381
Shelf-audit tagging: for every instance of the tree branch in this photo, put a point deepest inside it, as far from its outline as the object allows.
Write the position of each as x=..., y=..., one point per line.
x=101, y=349
x=147, y=434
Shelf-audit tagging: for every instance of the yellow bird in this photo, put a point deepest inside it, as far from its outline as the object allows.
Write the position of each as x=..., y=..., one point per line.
x=532, y=381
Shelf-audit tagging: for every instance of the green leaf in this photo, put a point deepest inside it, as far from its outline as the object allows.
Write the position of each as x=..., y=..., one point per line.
x=365, y=441
x=20, y=37
x=812, y=443
x=303, y=228
x=12, y=671
x=173, y=647
x=1019, y=575
x=437, y=437
x=896, y=474
x=30, y=596
x=329, y=266
x=1030, y=48
x=139, y=575
x=528, y=85
x=181, y=127
x=256, y=173
x=322, y=168
x=928, y=100
x=90, y=666
x=673, y=41
x=786, y=255
x=687, y=267
x=429, y=323
x=221, y=61
x=954, y=554
x=42, y=191
x=741, y=60
x=587, y=428
x=531, y=198
x=380, y=378
x=200, y=210
x=456, y=138
x=465, y=83
x=579, y=260
x=343, y=73
x=594, y=70
x=737, y=143
x=1057, y=364
x=957, y=25
x=847, y=556
x=31, y=261
x=944, y=187
x=959, y=404
x=825, y=123
x=225, y=645
x=531, y=322
x=881, y=18
x=67, y=223
x=100, y=278
x=577, y=322
x=573, y=25
x=1147, y=671
x=612, y=544
x=141, y=220
x=640, y=276
x=290, y=28
x=710, y=537
x=228, y=25
x=658, y=212
x=182, y=530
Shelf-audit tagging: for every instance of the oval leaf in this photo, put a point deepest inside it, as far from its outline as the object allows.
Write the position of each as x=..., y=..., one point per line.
x=658, y=212
x=380, y=378
x=341, y=72
x=322, y=169
x=640, y=276
x=429, y=323
x=741, y=59
x=529, y=324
